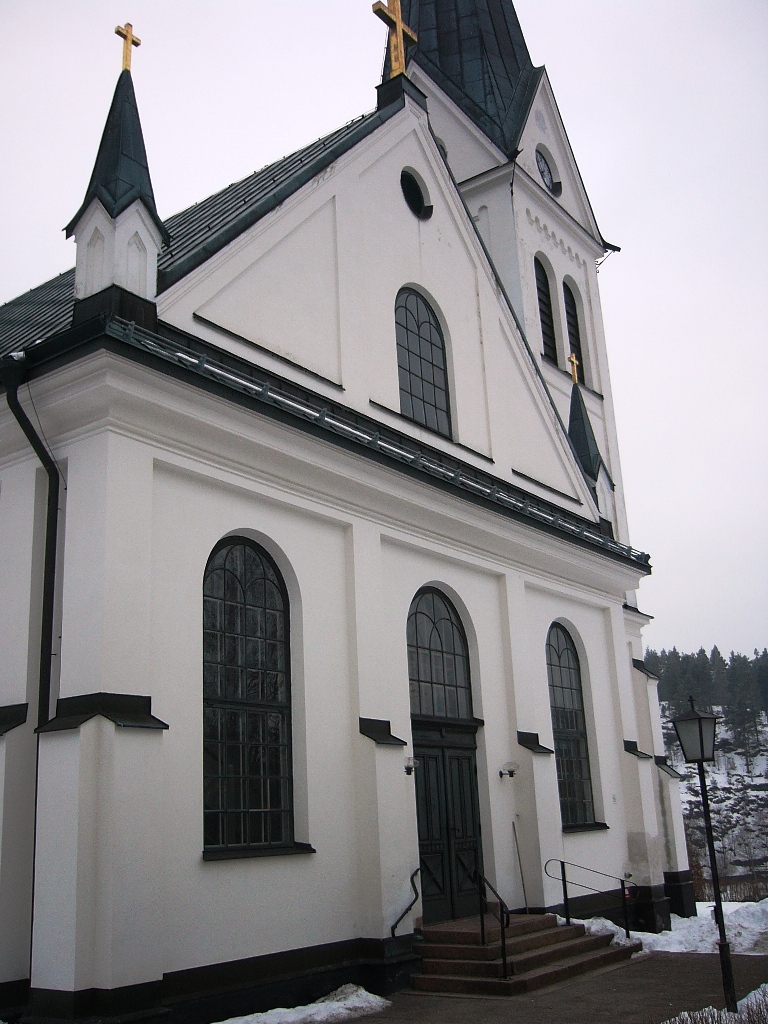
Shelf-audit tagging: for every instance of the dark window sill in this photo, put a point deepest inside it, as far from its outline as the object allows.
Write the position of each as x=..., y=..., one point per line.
x=237, y=853
x=587, y=826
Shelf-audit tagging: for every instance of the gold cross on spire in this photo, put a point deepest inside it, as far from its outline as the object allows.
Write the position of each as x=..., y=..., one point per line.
x=129, y=39
x=574, y=367
x=399, y=34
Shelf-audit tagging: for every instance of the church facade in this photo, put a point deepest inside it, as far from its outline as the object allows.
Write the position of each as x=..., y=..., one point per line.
x=321, y=573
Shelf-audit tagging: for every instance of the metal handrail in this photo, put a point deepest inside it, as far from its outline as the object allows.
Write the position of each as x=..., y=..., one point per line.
x=502, y=917
x=625, y=894
x=410, y=906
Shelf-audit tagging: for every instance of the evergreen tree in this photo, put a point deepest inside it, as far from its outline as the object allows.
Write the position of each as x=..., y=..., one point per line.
x=742, y=706
x=719, y=669
x=760, y=668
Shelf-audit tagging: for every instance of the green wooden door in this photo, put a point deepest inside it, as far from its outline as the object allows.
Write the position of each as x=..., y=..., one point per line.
x=449, y=827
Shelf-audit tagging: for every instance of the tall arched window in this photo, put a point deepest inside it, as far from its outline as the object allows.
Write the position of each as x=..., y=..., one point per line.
x=574, y=335
x=438, y=658
x=421, y=363
x=569, y=727
x=247, y=770
x=545, y=313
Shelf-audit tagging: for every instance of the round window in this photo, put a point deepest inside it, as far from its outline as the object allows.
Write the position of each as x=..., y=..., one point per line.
x=414, y=196
x=545, y=170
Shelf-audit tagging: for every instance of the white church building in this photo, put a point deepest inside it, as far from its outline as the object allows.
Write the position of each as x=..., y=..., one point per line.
x=314, y=557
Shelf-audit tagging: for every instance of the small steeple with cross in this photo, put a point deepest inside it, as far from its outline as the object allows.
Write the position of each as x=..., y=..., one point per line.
x=399, y=34
x=129, y=39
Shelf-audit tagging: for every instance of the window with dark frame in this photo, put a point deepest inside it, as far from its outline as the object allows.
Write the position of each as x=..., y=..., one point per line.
x=247, y=765
x=545, y=313
x=574, y=779
x=574, y=334
x=421, y=363
x=438, y=658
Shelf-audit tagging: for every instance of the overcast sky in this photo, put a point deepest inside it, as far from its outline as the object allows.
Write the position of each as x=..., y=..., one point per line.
x=665, y=103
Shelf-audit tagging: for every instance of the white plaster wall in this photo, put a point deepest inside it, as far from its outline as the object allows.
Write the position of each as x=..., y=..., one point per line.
x=22, y=528
x=355, y=541
x=499, y=408
x=121, y=251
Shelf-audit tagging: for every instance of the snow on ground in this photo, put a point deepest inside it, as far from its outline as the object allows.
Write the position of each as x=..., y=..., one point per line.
x=746, y=929
x=345, y=1003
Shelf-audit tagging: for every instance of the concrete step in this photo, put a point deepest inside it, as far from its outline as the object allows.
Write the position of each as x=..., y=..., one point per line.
x=466, y=931
x=492, y=950
x=519, y=964
x=561, y=970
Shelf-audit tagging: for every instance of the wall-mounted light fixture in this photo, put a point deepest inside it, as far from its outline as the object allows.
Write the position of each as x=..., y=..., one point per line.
x=509, y=768
x=410, y=764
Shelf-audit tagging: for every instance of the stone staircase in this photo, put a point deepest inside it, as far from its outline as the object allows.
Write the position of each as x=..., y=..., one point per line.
x=539, y=952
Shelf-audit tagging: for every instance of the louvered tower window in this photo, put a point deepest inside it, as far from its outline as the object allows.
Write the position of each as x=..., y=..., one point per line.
x=421, y=363
x=545, y=313
x=569, y=728
x=247, y=769
x=574, y=335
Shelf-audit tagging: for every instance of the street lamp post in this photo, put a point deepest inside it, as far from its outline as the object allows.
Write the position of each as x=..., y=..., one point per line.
x=696, y=733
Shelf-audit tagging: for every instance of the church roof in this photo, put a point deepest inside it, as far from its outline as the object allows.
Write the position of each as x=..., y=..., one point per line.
x=475, y=51
x=583, y=436
x=197, y=233
x=121, y=172
x=37, y=314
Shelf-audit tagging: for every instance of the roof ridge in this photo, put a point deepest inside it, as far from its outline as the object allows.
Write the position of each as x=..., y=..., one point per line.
x=269, y=166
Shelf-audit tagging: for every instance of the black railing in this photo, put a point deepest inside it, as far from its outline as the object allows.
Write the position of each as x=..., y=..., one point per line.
x=502, y=916
x=626, y=887
x=410, y=906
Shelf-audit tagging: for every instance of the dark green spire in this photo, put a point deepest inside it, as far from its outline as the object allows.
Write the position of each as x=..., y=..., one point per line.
x=475, y=51
x=121, y=172
x=583, y=436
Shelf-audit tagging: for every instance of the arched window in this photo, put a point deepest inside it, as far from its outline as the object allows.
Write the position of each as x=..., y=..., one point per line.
x=438, y=658
x=247, y=771
x=421, y=363
x=545, y=313
x=574, y=335
x=569, y=727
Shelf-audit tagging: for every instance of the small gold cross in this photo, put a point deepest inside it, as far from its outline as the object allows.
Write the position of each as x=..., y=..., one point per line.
x=129, y=39
x=574, y=367
x=399, y=34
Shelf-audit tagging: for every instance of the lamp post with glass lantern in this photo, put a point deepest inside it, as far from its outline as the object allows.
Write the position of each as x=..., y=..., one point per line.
x=696, y=733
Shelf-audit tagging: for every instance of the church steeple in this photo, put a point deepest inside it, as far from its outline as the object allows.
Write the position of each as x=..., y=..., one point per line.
x=121, y=172
x=475, y=51
x=117, y=229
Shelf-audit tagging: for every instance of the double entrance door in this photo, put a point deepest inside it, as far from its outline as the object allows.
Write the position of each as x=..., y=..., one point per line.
x=448, y=818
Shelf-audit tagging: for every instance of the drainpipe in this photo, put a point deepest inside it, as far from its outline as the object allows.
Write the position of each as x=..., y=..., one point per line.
x=12, y=374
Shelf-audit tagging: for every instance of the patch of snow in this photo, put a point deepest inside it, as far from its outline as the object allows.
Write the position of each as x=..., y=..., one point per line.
x=702, y=909
x=345, y=1003
x=746, y=929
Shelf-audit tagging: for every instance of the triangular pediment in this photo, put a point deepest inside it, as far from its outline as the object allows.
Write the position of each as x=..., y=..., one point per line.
x=545, y=132
x=310, y=292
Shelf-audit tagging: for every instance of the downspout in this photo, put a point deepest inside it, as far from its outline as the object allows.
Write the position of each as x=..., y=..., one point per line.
x=12, y=374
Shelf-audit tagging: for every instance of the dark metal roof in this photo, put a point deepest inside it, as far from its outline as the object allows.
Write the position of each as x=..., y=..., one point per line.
x=121, y=172
x=583, y=436
x=475, y=51
x=37, y=314
x=197, y=232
